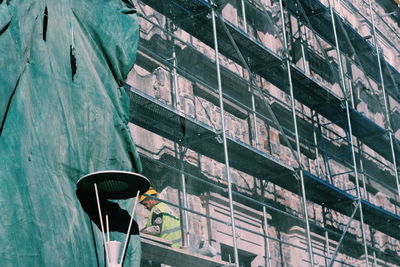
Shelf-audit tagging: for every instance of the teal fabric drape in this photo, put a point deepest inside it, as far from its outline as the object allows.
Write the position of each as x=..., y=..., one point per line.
x=63, y=114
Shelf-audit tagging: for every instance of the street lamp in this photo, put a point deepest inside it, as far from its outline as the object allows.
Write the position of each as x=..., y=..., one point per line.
x=112, y=184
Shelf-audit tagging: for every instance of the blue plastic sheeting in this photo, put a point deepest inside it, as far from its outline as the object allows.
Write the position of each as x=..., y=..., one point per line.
x=63, y=114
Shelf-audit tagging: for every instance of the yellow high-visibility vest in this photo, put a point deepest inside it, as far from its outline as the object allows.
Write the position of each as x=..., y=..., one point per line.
x=171, y=226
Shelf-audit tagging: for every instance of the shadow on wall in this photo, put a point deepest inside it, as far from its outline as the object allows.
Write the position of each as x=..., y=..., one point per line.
x=120, y=217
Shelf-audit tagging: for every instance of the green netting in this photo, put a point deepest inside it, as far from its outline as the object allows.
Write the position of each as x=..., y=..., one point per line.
x=63, y=114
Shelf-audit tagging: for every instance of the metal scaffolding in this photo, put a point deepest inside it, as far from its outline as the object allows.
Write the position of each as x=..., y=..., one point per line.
x=204, y=21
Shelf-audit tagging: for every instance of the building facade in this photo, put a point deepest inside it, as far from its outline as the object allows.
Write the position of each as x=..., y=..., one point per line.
x=273, y=128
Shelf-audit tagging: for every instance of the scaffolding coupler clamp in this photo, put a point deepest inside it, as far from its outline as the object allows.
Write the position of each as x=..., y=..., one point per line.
x=390, y=130
x=286, y=56
x=296, y=173
x=213, y=4
x=218, y=137
x=343, y=104
x=356, y=202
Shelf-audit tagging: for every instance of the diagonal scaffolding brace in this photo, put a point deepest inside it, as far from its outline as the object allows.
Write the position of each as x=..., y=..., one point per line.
x=350, y=137
x=265, y=101
x=332, y=260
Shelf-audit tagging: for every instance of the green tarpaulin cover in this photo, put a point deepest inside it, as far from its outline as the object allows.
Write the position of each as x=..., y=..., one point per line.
x=63, y=114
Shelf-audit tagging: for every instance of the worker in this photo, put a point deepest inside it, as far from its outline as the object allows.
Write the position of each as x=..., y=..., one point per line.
x=162, y=222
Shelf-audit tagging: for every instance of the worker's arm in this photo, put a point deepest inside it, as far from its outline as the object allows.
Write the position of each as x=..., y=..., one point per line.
x=156, y=223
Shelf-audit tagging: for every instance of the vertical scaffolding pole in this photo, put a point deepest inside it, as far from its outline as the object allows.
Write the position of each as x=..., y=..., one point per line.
x=251, y=88
x=267, y=251
x=221, y=104
x=361, y=153
x=350, y=135
x=316, y=144
x=181, y=154
x=253, y=106
x=351, y=95
x=243, y=8
x=303, y=52
x=387, y=114
x=325, y=153
x=327, y=247
x=303, y=191
x=374, y=254
x=175, y=98
x=185, y=241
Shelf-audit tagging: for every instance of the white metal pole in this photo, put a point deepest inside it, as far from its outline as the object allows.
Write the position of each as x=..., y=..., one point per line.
x=328, y=248
x=303, y=190
x=319, y=172
x=251, y=89
x=108, y=229
x=176, y=103
x=244, y=15
x=184, y=196
x=374, y=254
x=350, y=136
x=267, y=251
x=101, y=221
x=175, y=100
x=221, y=104
x=360, y=152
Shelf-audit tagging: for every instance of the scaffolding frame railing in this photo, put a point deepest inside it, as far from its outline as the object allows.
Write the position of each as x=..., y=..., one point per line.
x=222, y=188
x=265, y=206
x=352, y=50
x=186, y=174
x=260, y=115
x=297, y=141
x=387, y=113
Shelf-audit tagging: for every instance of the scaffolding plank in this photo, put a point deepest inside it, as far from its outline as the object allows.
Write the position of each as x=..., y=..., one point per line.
x=258, y=56
x=309, y=91
x=156, y=250
x=362, y=126
x=333, y=197
x=178, y=9
x=370, y=133
x=164, y=120
x=338, y=200
x=381, y=219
